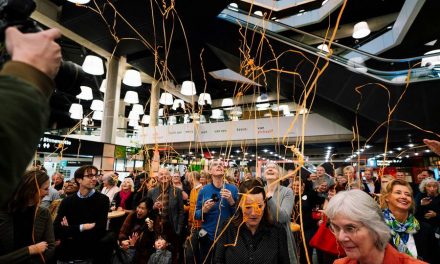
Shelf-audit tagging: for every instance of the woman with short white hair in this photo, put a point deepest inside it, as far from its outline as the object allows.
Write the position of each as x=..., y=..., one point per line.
x=358, y=224
x=110, y=188
x=428, y=203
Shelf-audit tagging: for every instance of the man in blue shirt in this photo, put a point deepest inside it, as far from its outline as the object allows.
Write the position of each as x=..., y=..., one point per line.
x=215, y=204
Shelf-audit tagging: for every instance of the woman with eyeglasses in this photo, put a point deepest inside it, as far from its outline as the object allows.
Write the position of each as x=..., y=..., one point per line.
x=358, y=224
x=408, y=235
x=252, y=236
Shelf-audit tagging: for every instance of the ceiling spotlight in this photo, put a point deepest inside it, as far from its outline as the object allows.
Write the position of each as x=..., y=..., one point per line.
x=399, y=149
x=427, y=150
x=368, y=146
x=407, y=156
x=361, y=30
x=265, y=150
x=411, y=145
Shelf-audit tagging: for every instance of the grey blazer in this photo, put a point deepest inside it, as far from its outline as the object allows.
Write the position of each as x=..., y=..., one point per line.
x=280, y=207
x=175, y=206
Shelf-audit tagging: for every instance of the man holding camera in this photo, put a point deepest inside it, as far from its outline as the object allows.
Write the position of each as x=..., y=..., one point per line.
x=215, y=204
x=26, y=82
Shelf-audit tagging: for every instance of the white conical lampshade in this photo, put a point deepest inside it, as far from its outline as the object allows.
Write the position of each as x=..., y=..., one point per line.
x=76, y=108
x=172, y=120
x=160, y=112
x=361, y=30
x=226, y=102
x=138, y=109
x=97, y=105
x=131, y=97
x=204, y=98
x=188, y=88
x=166, y=99
x=132, y=78
x=103, y=86
x=77, y=116
x=178, y=103
x=217, y=114
x=145, y=119
x=133, y=123
x=236, y=111
x=97, y=115
x=133, y=116
x=93, y=65
x=81, y=2
x=86, y=93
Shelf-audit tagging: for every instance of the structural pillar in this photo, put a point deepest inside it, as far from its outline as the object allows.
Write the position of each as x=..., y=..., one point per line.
x=112, y=96
x=154, y=103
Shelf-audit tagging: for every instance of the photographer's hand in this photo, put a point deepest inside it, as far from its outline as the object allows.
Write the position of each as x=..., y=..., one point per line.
x=37, y=49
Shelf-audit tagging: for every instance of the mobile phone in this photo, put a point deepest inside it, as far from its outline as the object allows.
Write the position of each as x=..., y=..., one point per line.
x=214, y=197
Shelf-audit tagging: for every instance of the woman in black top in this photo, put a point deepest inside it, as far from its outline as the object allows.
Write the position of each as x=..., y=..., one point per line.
x=26, y=229
x=251, y=236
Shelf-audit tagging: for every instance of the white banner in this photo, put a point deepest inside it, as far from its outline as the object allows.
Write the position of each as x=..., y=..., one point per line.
x=264, y=128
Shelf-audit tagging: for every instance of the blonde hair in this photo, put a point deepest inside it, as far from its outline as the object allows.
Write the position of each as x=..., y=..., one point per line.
x=389, y=189
x=130, y=181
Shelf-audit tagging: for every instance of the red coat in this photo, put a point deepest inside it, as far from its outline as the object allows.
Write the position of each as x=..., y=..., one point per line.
x=392, y=256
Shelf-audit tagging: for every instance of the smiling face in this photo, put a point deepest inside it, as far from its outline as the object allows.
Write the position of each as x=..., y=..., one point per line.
x=141, y=210
x=253, y=207
x=400, y=198
x=271, y=172
x=341, y=180
x=354, y=237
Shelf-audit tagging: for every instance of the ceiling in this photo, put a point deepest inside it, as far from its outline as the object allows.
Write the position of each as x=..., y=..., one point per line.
x=187, y=40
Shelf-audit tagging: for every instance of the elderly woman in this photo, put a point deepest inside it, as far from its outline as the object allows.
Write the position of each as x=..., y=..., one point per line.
x=280, y=202
x=408, y=235
x=252, y=237
x=110, y=188
x=123, y=200
x=358, y=225
x=428, y=206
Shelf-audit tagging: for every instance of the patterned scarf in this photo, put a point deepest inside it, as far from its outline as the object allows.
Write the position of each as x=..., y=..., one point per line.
x=400, y=231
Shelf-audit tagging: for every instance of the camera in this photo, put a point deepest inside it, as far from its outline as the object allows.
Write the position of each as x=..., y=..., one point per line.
x=16, y=13
x=214, y=197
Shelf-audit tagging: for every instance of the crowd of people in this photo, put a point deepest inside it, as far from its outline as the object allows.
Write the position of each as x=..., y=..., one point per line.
x=197, y=218
x=275, y=217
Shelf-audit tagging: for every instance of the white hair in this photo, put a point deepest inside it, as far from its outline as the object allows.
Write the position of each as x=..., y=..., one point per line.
x=357, y=205
x=426, y=181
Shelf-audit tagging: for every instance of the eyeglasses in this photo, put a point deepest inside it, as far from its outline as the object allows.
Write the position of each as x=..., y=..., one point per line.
x=91, y=176
x=350, y=230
